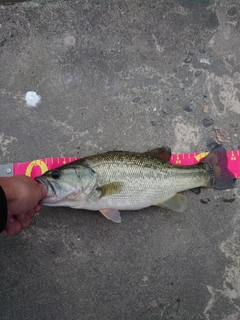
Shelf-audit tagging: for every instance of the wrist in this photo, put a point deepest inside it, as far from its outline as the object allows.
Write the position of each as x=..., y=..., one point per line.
x=8, y=188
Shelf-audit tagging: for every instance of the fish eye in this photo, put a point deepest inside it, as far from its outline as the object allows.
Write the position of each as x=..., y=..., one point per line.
x=55, y=174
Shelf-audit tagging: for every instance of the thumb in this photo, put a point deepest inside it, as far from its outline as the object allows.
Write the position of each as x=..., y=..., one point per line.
x=42, y=190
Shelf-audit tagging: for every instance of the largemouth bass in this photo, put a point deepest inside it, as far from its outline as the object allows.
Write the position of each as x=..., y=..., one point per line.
x=120, y=180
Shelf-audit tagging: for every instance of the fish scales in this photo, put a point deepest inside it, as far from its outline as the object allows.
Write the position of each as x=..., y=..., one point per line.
x=145, y=179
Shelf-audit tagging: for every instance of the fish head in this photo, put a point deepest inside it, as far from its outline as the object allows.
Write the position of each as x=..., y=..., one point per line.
x=67, y=184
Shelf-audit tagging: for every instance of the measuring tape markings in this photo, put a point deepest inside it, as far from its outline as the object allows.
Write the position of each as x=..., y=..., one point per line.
x=39, y=166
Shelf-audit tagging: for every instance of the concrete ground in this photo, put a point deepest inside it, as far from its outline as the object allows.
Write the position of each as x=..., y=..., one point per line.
x=128, y=75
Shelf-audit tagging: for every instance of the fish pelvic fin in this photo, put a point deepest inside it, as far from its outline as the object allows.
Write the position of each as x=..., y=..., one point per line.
x=216, y=163
x=111, y=214
x=176, y=203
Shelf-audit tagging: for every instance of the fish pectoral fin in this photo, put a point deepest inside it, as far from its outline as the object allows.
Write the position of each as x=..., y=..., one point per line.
x=177, y=203
x=109, y=189
x=163, y=153
x=111, y=214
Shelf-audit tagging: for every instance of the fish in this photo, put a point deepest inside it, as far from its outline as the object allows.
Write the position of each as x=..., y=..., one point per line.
x=124, y=180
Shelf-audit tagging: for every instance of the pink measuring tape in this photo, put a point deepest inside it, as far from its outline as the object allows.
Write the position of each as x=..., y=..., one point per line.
x=38, y=167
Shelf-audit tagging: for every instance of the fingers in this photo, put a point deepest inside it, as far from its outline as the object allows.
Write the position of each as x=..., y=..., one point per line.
x=13, y=227
x=23, y=219
x=16, y=223
x=37, y=208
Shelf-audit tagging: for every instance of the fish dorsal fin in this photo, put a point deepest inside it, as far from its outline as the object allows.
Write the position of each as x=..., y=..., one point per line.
x=109, y=189
x=176, y=203
x=163, y=153
x=111, y=214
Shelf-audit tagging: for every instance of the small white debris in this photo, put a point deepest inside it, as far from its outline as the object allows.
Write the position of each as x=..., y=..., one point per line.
x=205, y=60
x=32, y=99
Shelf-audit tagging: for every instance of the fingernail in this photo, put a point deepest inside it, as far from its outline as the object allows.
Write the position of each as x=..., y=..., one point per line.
x=11, y=219
x=21, y=216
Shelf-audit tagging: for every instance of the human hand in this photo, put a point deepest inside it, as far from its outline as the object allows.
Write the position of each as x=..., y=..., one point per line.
x=23, y=196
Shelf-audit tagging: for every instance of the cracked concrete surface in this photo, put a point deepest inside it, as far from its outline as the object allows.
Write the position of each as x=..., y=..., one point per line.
x=129, y=75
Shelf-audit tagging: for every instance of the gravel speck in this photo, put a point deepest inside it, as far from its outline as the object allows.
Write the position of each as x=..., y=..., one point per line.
x=136, y=100
x=202, y=50
x=232, y=11
x=205, y=109
x=2, y=42
x=165, y=110
x=198, y=73
x=188, y=60
x=207, y=122
x=153, y=123
x=187, y=108
x=228, y=200
x=234, y=125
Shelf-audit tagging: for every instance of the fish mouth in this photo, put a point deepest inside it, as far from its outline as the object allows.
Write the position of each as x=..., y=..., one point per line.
x=46, y=184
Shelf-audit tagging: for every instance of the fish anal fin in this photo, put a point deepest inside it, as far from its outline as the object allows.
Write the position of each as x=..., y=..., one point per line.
x=111, y=214
x=163, y=153
x=109, y=189
x=176, y=203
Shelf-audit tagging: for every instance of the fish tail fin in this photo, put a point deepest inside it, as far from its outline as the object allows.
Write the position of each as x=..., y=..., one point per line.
x=216, y=163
